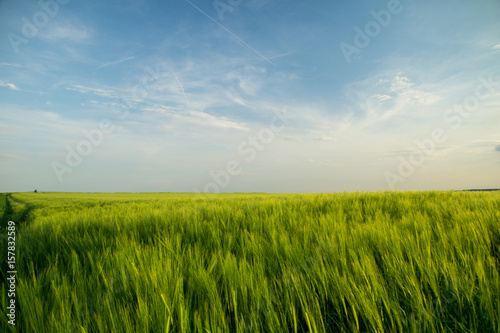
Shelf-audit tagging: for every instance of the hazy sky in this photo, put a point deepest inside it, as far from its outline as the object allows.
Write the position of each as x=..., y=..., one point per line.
x=249, y=95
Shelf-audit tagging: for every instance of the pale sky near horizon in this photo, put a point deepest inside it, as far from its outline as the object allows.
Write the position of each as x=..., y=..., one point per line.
x=249, y=95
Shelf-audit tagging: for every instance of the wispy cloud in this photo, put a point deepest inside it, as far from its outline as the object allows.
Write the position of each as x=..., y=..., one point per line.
x=285, y=54
x=326, y=162
x=182, y=89
x=497, y=148
x=4, y=157
x=231, y=33
x=74, y=32
x=8, y=85
x=202, y=118
x=249, y=79
x=383, y=96
x=112, y=63
x=484, y=143
x=192, y=117
x=496, y=47
x=8, y=64
x=321, y=136
x=96, y=91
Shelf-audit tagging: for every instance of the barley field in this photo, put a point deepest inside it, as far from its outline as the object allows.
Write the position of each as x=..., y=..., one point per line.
x=346, y=262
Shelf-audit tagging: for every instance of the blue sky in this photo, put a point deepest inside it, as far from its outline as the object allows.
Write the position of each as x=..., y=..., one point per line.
x=249, y=95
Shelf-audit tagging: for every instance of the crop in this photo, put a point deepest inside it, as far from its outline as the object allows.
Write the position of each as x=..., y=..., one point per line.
x=347, y=262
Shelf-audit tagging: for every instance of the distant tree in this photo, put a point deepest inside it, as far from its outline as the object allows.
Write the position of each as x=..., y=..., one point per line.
x=36, y=191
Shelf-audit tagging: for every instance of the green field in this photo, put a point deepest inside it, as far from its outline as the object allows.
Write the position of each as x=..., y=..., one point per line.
x=359, y=262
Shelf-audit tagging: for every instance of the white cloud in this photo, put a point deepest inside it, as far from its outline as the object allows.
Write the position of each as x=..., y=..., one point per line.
x=496, y=47
x=8, y=85
x=400, y=83
x=383, y=97
x=249, y=79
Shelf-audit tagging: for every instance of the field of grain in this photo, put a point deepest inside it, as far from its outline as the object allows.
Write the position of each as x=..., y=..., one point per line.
x=347, y=262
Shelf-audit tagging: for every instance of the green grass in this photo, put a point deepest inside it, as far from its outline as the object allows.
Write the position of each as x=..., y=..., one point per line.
x=376, y=262
x=3, y=201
